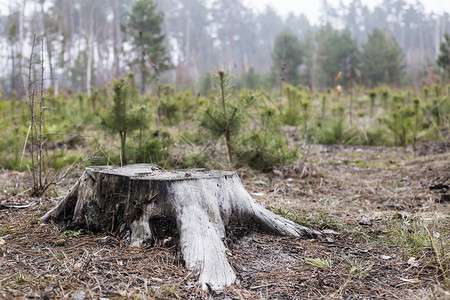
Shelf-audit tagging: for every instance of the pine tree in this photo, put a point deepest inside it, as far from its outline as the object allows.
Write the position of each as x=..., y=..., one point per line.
x=382, y=59
x=336, y=52
x=143, y=26
x=444, y=57
x=288, y=54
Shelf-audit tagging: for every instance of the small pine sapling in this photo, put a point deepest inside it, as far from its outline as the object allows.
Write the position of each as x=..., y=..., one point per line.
x=372, y=96
x=170, y=107
x=121, y=119
x=264, y=148
x=333, y=131
x=400, y=121
x=305, y=110
x=426, y=92
x=227, y=117
x=436, y=112
x=437, y=90
x=417, y=121
x=350, y=108
x=385, y=97
x=291, y=116
x=338, y=127
x=324, y=104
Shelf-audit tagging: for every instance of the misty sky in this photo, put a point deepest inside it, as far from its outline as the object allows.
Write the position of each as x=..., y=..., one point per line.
x=309, y=8
x=312, y=8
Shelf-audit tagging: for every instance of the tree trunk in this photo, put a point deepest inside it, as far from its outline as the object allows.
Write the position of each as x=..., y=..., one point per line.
x=143, y=67
x=123, y=142
x=117, y=39
x=24, y=82
x=198, y=208
x=48, y=43
x=90, y=53
x=13, y=65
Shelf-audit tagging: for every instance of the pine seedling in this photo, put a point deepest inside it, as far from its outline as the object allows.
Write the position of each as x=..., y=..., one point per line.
x=121, y=119
x=409, y=96
x=305, y=109
x=436, y=112
x=170, y=106
x=372, y=96
x=291, y=115
x=264, y=148
x=338, y=127
x=324, y=104
x=385, y=95
x=437, y=90
x=400, y=122
x=227, y=118
x=332, y=132
x=417, y=122
x=426, y=92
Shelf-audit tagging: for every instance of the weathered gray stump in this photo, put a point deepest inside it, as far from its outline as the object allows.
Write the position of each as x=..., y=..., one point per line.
x=204, y=205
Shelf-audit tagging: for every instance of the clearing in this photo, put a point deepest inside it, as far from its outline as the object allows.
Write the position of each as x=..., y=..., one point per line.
x=384, y=212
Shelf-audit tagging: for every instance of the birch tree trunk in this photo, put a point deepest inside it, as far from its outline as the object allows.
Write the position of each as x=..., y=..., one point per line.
x=117, y=39
x=202, y=206
x=21, y=43
x=90, y=53
x=48, y=44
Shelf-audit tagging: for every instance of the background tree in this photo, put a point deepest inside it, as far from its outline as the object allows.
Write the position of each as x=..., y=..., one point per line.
x=309, y=70
x=199, y=35
x=444, y=56
x=382, y=59
x=185, y=27
x=143, y=26
x=337, y=52
x=13, y=38
x=269, y=24
x=287, y=51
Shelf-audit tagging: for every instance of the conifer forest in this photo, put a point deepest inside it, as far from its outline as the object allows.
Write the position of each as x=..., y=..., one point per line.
x=224, y=149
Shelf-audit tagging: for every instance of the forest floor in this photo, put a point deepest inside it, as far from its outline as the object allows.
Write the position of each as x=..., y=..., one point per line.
x=384, y=213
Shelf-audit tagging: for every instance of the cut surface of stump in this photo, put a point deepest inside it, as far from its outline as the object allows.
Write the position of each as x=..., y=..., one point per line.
x=202, y=205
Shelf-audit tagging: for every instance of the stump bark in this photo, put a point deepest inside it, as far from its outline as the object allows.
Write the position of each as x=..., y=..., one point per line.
x=202, y=206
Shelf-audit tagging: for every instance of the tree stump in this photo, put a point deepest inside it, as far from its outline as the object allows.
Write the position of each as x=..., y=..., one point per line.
x=198, y=207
